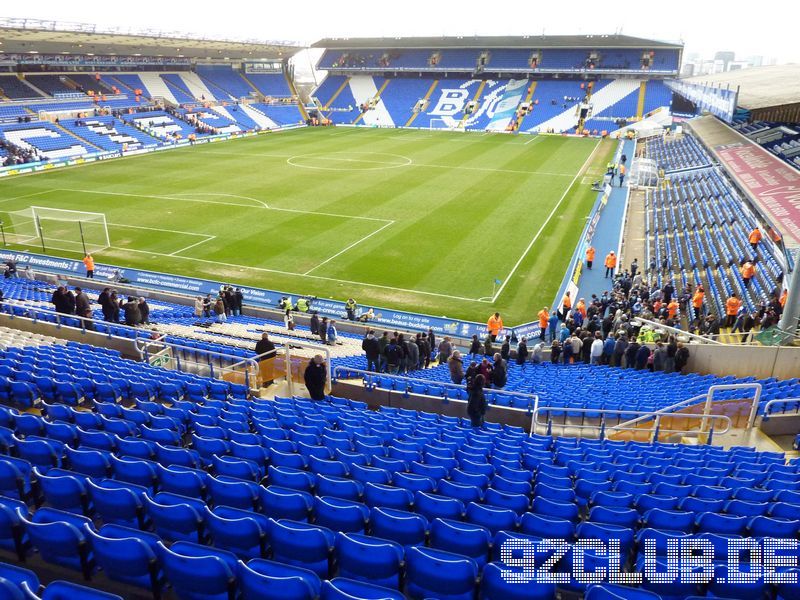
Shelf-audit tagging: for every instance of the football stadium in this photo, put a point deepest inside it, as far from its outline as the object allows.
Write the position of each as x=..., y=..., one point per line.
x=454, y=317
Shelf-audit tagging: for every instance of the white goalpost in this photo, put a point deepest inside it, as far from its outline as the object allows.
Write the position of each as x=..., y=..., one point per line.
x=436, y=124
x=59, y=229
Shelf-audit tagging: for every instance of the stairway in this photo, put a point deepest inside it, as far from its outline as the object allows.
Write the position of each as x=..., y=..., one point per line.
x=426, y=98
x=33, y=87
x=338, y=91
x=640, y=103
x=378, y=94
x=475, y=98
x=77, y=136
x=364, y=89
x=601, y=100
x=196, y=86
x=157, y=86
x=528, y=99
x=259, y=117
x=293, y=90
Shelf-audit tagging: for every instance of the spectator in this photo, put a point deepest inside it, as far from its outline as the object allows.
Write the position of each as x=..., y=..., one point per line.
x=219, y=309
x=83, y=305
x=315, y=377
x=536, y=355
x=331, y=333
x=382, y=343
x=488, y=349
x=505, y=348
x=681, y=358
x=207, y=305
x=522, y=351
x=456, y=366
x=393, y=356
x=131, y=310
x=596, y=350
x=642, y=356
x=659, y=357
x=476, y=403
x=475, y=346
x=486, y=369
x=499, y=372
x=411, y=348
x=144, y=311
x=313, y=323
x=445, y=350
x=552, y=325
x=372, y=351
x=238, y=301
x=555, y=352
x=198, y=307
x=424, y=360
x=323, y=330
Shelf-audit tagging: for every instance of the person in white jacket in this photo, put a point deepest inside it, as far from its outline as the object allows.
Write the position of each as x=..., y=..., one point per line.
x=596, y=351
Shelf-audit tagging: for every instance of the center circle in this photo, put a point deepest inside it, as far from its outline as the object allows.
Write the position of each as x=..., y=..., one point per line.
x=349, y=161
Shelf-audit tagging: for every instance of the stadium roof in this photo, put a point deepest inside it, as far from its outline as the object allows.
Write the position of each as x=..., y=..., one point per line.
x=54, y=37
x=524, y=41
x=759, y=87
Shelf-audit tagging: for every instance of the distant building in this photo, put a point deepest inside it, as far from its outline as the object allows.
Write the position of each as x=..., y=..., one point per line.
x=727, y=57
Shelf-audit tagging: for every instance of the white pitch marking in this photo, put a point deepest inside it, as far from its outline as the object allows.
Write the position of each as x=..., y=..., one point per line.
x=265, y=270
x=534, y=139
x=291, y=210
x=190, y=246
x=159, y=229
x=26, y=196
x=356, y=243
x=550, y=216
x=264, y=204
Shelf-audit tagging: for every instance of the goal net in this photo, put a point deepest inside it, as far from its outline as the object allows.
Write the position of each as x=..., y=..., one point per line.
x=447, y=125
x=59, y=229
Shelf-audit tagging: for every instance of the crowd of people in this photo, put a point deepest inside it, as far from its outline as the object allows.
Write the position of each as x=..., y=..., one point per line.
x=228, y=303
x=131, y=311
x=400, y=354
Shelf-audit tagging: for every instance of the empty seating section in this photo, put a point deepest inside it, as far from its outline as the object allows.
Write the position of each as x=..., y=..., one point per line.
x=510, y=59
x=409, y=59
x=567, y=60
x=226, y=79
x=178, y=88
x=676, y=154
x=12, y=113
x=282, y=114
x=404, y=95
x=211, y=118
x=699, y=226
x=219, y=497
x=109, y=133
x=126, y=82
x=273, y=85
x=89, y=83
x=458, y=59
x=334, y=95
x=12, y=87
x=598, y=387
x=657, y=94
x=620, y=59
x=548, y=98
x=782, y=140
x=43, y=137
x=50, y=84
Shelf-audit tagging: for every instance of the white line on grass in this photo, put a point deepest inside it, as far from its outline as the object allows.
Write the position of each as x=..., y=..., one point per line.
x=26, y=196
x=550, y=216
x=263, y=205
x=266, y=270
x=356, y=243
x=534, y=139
x=412, y=164
x=159, y=229
x=190, y=246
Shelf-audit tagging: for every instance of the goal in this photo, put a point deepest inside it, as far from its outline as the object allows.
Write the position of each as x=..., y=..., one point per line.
x=442, y=124
x=59, y=229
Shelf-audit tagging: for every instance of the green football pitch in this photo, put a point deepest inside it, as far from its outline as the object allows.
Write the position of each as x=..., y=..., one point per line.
x=415, y=220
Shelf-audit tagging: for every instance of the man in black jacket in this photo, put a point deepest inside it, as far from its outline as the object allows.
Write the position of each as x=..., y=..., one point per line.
x=104, y=300
x=265, y=350
x=372, y=349
x=315, y=377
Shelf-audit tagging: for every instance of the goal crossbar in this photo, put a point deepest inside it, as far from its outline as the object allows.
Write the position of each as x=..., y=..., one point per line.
x=60, y=228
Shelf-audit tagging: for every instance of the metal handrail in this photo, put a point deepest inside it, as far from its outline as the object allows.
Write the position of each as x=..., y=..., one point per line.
x=142, y=350
x=674, y=330
x=656, y=429
x=709, y=397
x=775, y=402
x=368, y=377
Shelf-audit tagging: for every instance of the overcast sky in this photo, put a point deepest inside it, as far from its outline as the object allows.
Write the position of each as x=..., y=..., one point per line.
x=705, y=26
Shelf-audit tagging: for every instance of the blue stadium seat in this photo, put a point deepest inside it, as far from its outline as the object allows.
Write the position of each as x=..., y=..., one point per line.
x=405, y=528
x=197, y=572
x=302, y=545
x=268, y=580
x=341, y=588
x=129, y=556
x=461, y=538
x=244, y=533
x=439, y=574
x=340, y=515
x=370, y=559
